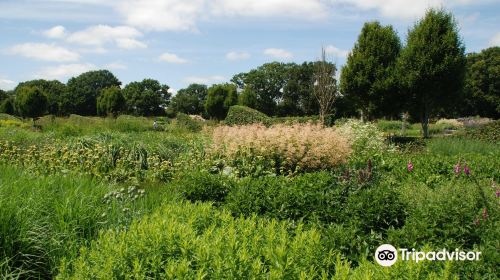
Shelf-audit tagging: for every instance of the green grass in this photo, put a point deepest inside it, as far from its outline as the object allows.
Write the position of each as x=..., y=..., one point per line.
x=460, y=146
x=44, y=219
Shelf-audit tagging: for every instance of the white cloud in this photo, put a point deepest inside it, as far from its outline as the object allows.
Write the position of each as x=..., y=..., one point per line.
x=46, y=52
x=7, y=84
x=405, y=9
x=204, y=80
x=182, y=15
x=172, y=58
x=64, y=71
x=56, y=32
x=278, y=53
x=116, y=66
x=127, y=43
x=332, y=50
x=495, y=41
x=237, y=56
x=123, y=36
x=173, y=91
x=162, y=15
x=303, y=9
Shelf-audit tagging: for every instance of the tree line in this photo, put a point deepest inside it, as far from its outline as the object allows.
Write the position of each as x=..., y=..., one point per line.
x=429, y=75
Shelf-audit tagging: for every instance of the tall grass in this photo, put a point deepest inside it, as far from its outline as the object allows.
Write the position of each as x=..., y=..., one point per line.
x=458, y=146
x=44, y=219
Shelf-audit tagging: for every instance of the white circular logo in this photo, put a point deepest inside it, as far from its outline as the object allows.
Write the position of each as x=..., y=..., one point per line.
x=386, y=255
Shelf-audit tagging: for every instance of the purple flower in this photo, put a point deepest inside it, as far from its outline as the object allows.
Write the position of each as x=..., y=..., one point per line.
x=497, y=193
x=466, y=170
x=457, y=168
x=409, y=166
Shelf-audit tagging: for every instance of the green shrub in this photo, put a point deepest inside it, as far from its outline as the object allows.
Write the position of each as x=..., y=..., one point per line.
x=203, y=186
x=488, y=132
x=242, y=115
x=186, y=122
x=187, y=241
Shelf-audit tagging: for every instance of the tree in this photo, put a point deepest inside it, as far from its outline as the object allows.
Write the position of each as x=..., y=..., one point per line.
x=298, y=97
x=110, y=102
x=268, y=82
x=7, y=106
x=325, y=85
x=3, y=95
x=368, y=78
x=482, y=84
x=248, y=97
x=146, y=98
x=190, y=100
x=54, y=90
x=30, y=102
x=220, y=98
x=432, y=65
x=81, y=97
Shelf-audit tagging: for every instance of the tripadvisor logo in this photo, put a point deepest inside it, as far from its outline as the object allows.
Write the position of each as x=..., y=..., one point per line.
x=387, y=255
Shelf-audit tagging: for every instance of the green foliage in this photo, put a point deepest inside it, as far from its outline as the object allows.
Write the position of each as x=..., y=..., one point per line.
x=482, y=84
x=190, y=100
x=146, y=98
x=30, y=102
x=110, y=102
x=432, y=65
x=189, y=241
x=7, y=106
x=489, y=132
x=186, y=122
x=242, y=115
x=84, y=89
x=368, y=78
x=54, y=90
x=219, y=99
x=248, y=98
x=203, y=186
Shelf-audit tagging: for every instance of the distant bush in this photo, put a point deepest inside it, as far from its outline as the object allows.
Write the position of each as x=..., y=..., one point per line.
x=8, y=117
x=488, y=132
x=289, y=149
x=13, y=122
x=187, y=241
x=242, y=115
x=449, y=123
x=388, y=126
x=186, y=122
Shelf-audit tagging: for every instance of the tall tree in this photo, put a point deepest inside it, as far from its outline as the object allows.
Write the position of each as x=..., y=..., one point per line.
x=190, y=100
x=298, y=98
x=268, y=82
x=368, y=76
x=147, y=98
x=83, y=91
x=54, y=90
x=432, y=65
x=325, y=85
x=30, y=102
x=482, y=84
x=110, y=102
x=220, y=98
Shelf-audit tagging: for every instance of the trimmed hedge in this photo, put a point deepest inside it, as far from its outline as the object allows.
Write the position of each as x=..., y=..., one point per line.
x=489, y=132
x=242, y=115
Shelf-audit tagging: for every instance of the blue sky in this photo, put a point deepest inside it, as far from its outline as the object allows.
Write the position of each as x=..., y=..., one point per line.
x=179, y=42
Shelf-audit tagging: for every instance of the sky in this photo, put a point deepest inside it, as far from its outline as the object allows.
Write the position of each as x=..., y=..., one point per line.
x=179, y=42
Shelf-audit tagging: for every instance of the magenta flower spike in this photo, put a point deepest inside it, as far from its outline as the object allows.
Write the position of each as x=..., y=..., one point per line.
x=457, y=168
x=497, y=193
x=409, y=166
x=466, y=169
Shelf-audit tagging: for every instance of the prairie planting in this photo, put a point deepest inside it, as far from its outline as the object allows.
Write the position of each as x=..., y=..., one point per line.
x=119, y=199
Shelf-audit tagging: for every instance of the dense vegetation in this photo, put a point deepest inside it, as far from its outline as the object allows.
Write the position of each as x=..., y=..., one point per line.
x=132, y=183
x=84, y=197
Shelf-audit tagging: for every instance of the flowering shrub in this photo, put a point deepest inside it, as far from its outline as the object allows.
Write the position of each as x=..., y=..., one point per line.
x=286, y=149
x=13, y=122
x=366, y=140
